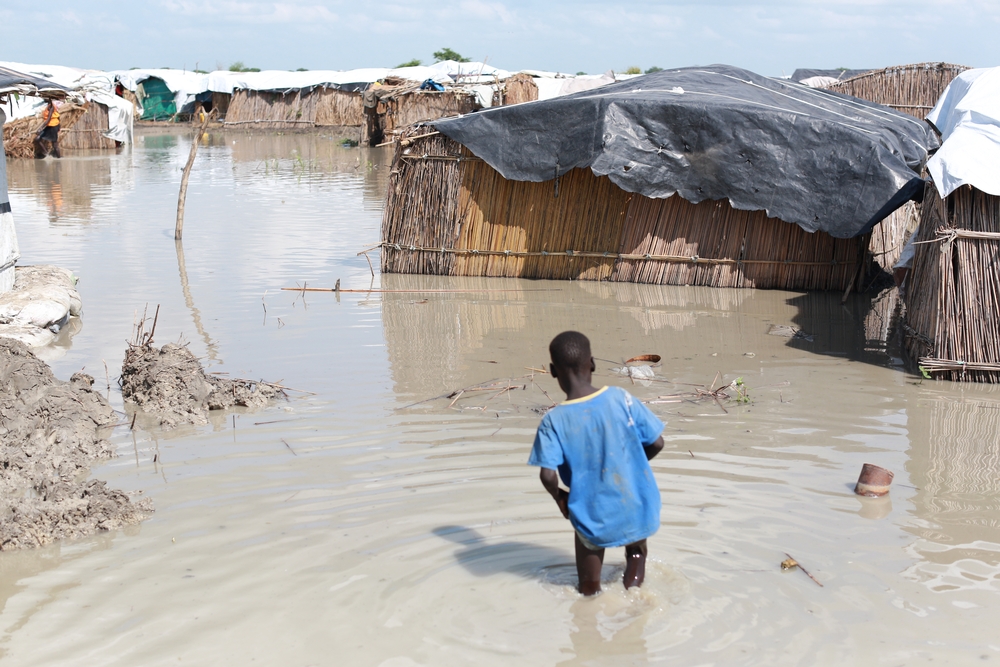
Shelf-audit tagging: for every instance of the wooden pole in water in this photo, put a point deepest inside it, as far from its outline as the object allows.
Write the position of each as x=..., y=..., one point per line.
x=182, y=195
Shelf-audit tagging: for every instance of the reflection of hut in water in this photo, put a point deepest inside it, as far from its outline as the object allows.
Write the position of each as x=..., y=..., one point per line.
x=451, y=211
x=438, y=343
x=954, y=463
x=66, y=189
x=953, y=295
x=911, y=89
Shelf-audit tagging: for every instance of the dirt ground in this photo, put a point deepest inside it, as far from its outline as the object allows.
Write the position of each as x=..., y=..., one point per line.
x=50, y=433
x=170, y=383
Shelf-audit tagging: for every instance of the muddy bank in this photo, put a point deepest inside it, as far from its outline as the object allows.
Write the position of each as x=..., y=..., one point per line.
x=170, y=383
x=50, y=432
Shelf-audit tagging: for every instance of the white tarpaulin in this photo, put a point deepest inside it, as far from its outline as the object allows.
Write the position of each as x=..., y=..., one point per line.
x=278, y=80
x=968, y=117
x=91, y=85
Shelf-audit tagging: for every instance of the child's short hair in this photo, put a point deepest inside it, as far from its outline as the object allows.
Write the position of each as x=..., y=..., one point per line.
x=570, y=349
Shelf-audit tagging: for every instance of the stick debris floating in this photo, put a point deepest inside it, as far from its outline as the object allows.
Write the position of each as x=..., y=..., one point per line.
x=792, y=563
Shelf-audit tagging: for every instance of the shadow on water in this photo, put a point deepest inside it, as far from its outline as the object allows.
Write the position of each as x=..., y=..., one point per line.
x=862, y=328
x=484, y=559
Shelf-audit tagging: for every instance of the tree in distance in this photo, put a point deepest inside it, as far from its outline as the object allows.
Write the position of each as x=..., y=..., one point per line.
x=581, y=73
x=633, y=70
x=238, y=66
x=654, y=68
x=415, y=62
x=448, y=54
x=302, y=69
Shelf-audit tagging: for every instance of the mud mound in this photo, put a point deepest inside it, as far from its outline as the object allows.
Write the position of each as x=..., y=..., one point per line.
x=50, y=432
x=170, y=383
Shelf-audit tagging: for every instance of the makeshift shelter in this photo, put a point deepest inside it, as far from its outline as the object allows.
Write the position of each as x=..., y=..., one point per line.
x=12, y=83
x=92, y=118
x=912, y=89
x=156, y=98
x=953, y=296
x=688, y=176
x=519, y=88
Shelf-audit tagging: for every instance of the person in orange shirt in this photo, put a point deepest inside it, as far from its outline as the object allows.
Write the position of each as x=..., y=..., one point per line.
x=49, y=132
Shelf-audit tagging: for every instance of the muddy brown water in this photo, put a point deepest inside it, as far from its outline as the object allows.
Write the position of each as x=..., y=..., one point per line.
x=343, y=527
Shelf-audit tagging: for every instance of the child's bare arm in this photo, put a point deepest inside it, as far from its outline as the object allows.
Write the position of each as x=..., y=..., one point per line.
x=653, y=448
x=550, y=480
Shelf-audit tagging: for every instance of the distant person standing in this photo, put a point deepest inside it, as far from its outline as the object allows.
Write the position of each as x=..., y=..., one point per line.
x=49, y=132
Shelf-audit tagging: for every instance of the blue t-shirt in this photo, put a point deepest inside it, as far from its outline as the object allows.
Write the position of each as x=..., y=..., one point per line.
x=596, y=444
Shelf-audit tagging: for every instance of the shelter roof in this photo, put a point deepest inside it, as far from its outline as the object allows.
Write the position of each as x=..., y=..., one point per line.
x=968, y=117
x=823, y=160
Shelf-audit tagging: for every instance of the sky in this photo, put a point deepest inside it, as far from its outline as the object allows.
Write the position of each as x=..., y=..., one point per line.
x=771, y=37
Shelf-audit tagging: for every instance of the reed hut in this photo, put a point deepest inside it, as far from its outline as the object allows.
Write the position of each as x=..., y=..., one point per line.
x=911, y=89
x=398, y=104
x=315, y=107
x=669, y=196
x=953, y=296
x=519, y=88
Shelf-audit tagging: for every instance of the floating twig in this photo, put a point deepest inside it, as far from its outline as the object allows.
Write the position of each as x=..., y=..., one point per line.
x=289, y=447
x=792, y=563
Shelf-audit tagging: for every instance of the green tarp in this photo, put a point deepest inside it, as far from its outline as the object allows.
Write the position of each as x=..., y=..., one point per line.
x=157, y=100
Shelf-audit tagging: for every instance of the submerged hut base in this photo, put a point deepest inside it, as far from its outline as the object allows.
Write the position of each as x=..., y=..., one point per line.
x=449, y=213
x=303, y=108
x=953, y=299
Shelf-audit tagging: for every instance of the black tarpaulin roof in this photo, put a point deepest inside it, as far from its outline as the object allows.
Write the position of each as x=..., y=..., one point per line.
x=823, y=160
x=12, y=81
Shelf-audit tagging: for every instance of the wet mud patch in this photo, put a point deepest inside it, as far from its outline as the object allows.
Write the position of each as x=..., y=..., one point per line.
x=170, y=384
x=50, y=433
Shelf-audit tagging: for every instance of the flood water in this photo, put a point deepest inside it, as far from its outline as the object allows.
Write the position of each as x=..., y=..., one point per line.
x=348, y=526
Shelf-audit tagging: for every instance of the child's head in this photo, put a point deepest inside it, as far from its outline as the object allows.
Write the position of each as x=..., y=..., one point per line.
x=570, y=351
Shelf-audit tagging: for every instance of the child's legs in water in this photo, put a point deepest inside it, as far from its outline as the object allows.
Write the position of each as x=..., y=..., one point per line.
x=635, y=564
x=588, y=566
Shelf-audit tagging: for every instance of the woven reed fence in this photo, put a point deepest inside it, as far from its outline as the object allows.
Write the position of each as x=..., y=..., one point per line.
x=298, y=108
x=519, y=88
x=449, y=213
x=953, y=301
x=912, y=89
x=19, y=135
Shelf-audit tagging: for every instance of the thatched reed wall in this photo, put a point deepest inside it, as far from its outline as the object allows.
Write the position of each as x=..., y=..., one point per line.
x=19, y=135
x=418, y=106
x=298, y=108
x=449, y=213
x=519, y=88
x=953, y=299
x=912, y=89
x=87, y=133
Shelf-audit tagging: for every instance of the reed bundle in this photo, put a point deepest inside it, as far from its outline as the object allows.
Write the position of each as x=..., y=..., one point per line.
x=19, y=135
x=298, y=108
x=449, y=213
x=519, y=88
x=912, y=89
x=953, y=301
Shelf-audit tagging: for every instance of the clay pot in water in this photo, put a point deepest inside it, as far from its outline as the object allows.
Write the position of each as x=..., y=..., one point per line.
x=874, y=481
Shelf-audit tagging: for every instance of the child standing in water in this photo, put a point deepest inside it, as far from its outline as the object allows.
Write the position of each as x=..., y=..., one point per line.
x=600, y=441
